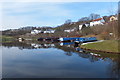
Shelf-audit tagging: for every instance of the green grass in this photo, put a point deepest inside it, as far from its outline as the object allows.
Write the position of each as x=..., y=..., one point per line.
x=108, y=45
x=6, y=38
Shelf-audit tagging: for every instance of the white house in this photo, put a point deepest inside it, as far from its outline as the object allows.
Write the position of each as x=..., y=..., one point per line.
x=67, y=31
x=70, y=30
x=52, y=31
x=98, y=21
x=83, y=25
x=49, y=31
x=35, y=31
x=113, y=18
x=80, y=27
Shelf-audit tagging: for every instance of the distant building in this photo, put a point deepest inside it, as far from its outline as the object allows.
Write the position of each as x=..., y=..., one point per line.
x=40, y=31
x=67, y=31
x=113, y=18
x=98, y=21
x=83, y=26
x=70, y=30
x=49, y=31
x=20, y=39
x=110, y=18
x=35, y=31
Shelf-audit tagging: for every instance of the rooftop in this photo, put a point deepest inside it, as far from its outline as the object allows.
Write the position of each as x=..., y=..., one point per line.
x=97, y=19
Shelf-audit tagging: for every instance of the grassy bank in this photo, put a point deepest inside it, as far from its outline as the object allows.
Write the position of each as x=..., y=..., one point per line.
x=6, y=39
x=108, y=45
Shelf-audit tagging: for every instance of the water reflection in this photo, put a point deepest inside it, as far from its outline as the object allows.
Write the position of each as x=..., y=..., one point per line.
x=102, y=62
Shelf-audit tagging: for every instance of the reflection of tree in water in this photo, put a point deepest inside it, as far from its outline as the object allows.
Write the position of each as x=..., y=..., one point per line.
x=114, y=59
x=114, y=68
x=24, y=45
x=74, y=50
x=17, y=44
x=68, y=53
x=69, y=50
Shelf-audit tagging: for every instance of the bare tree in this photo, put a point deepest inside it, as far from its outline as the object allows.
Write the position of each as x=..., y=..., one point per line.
x=112, y=10
x=84, y=19
x=68, y=21
x=94, y=16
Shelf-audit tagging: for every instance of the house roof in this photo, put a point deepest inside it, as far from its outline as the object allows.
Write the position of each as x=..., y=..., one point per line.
x=97, y=19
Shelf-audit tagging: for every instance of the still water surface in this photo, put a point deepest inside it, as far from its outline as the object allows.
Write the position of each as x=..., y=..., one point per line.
x=55, y=60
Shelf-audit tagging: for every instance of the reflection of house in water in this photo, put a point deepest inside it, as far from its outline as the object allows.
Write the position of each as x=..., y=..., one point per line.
x=34, y=45
x=68, y=53
x=67, y=44
x=20, y=45
x=68, y=50
x=114, y=68
x=23, y=45
x=76, y=50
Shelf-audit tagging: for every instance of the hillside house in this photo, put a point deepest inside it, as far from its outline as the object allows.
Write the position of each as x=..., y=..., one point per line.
x=70, y=30
x=67, y=31
x=35, y=31
x=113, y=18
x=99, y=21
x=49, y=31
x=110, y=18
x=83, y=26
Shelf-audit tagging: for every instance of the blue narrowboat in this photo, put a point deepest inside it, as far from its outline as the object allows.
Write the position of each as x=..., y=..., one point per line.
x=87, y=39
x=80, y=39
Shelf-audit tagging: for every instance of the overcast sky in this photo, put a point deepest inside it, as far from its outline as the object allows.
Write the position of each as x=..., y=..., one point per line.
x=20, y=14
